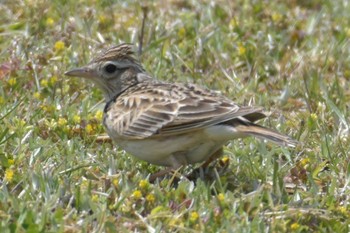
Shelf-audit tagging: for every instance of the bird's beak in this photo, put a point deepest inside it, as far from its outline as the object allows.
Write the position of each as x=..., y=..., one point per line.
x=85, y=72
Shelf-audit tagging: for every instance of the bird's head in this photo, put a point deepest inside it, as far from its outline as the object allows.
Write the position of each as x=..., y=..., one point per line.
x=112, y=71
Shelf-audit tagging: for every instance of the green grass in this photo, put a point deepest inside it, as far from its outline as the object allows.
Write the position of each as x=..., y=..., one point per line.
x=291, y=58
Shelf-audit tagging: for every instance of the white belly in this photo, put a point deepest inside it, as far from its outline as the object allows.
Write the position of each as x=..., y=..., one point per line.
x=177, y=150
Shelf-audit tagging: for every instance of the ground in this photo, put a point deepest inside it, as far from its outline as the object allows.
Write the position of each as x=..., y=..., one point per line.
x=291, y=57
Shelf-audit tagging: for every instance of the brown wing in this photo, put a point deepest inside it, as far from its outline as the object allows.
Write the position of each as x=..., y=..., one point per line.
x=151, y=109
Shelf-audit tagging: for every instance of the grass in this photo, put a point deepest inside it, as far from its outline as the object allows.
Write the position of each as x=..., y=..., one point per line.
x=292, y=57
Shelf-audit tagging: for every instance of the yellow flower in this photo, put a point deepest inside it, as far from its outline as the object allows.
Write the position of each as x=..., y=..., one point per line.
x=150, y=198
x=115, y=182
x=276, y=17
x=89, y=129
x=143, y=184
x=221, y=197
x=37, y=95
x=294, y=226
x=305, y=162
x=59, y=46
x=182, y=32
x=241, y=50
x=53, y=80
x=76, y=119
x=176, y=221
x=61, y=181
x=11, y=161
x=194, y=216
x=313, y=116
x=225, y=159
x=50, y=21
x=94, y=198
x=99, y=115
x=233, y=23
x=342, y=210
x=44, y=83
x=62, y=121
x=12, y=82
x=47, y=108
x=137, y=194
x=19, y=122
x=9, y=173
x=347, y=32
x=102, y=19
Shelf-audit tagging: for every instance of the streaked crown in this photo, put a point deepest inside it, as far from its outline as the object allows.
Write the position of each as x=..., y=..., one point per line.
x=120, y=52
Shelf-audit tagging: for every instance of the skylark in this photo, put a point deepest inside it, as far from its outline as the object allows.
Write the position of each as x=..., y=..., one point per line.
x=168, y=124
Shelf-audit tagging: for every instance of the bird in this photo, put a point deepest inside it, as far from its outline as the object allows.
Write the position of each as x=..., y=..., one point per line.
x=168, y=124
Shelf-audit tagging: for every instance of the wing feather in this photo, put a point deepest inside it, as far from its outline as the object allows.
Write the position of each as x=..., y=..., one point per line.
x=160, y=109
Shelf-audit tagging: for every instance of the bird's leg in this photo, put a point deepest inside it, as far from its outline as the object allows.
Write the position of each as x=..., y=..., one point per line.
x=175, y=174
x=178, y=161
x=160, y=174
x=213, y=157
x=203, y=170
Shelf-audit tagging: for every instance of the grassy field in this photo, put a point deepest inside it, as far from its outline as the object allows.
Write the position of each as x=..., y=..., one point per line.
x=291, y=57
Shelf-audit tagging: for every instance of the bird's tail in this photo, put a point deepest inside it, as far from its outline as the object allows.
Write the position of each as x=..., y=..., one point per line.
x=265, y=133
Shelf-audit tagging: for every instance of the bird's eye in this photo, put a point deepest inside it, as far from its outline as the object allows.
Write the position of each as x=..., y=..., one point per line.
x=110, y=68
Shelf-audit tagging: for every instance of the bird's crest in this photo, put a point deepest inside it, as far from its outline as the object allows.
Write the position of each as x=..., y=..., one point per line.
x=120, y=52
